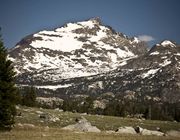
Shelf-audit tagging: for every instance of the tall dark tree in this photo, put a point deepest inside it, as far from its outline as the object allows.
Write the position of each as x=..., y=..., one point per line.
x=8, y=91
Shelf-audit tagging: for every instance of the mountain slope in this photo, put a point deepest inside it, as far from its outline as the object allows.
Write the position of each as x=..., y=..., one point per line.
x=153, y=76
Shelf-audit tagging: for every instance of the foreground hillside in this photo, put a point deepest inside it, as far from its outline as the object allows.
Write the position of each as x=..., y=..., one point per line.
x=35, y=123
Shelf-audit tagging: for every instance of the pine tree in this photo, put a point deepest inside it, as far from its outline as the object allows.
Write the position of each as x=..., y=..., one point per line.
x=8, y=91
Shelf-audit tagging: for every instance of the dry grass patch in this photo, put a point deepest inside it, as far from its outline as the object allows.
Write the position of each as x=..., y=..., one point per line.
x=39, y=133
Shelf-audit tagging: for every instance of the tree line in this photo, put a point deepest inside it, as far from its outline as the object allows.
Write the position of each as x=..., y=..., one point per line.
x=134, y=109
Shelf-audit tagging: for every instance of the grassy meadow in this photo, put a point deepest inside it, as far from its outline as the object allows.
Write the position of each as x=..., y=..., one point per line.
x=51, y=129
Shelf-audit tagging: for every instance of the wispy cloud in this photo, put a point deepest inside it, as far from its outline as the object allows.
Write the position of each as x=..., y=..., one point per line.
x=146, y=38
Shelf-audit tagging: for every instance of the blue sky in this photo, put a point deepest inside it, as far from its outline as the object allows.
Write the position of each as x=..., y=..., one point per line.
x=157, y=19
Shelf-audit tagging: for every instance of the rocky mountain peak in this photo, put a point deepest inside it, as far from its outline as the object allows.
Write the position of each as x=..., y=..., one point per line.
x=168, y=43
x=96, y=20
x=166, y=47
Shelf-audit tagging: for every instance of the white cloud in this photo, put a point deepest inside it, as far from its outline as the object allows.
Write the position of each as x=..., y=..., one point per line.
x=146, y=38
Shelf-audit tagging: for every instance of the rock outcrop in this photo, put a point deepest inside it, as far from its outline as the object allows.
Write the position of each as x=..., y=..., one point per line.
x=82, y=125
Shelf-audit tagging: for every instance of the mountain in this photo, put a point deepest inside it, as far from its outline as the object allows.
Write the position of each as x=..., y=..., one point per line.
x=155, y=75
x=88, y=58
x=74, y=50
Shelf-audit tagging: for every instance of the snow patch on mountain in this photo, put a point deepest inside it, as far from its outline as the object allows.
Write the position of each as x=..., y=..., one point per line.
x=65, y=43
x=135, y=40
x=124, y=54
x=65, y=39
x=154, y=53
x=165, y=63
x=178, y=54
x=53, y=87
x=149, y=73
x=89, y=23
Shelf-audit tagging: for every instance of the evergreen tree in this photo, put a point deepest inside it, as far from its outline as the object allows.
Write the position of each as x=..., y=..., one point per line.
x=29, y=97
x=8, y=91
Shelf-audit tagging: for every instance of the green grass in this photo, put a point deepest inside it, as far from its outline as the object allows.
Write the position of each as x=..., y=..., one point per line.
x=39, y=132
x=29, y=115
x=112, y=123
